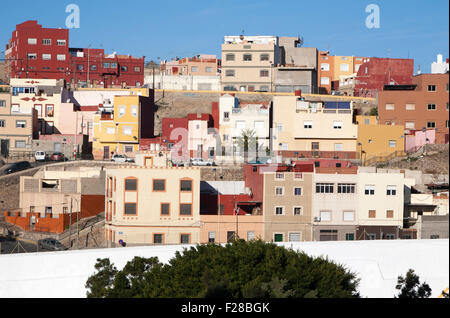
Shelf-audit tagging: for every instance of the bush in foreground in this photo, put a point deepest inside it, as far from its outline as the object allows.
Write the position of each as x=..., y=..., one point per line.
x=240, y=270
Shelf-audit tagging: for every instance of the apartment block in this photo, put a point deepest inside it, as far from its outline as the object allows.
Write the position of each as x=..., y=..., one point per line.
x=335, y=205
x=288, y=202
x=307, y=129
x=422, y=105
x=16, y=128
x=380, y=205
x=152, y=205
x=51, y=197
x=200, y=65
x=119, y=128
x=248, y=62
x=376, y=140
x=237, y=120
x=43, y=95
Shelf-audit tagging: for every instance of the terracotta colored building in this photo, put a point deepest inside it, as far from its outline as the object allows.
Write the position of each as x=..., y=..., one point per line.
x=422, y=105
x=376, y=72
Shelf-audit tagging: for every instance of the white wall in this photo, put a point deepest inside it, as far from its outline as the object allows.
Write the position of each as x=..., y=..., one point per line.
x=184, y=82
x=377, y=263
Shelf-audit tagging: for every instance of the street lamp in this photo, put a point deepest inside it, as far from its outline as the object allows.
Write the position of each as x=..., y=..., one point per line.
x=70, y=219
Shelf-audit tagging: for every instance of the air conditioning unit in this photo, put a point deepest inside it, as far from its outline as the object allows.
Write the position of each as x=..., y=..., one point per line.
x=316, y=219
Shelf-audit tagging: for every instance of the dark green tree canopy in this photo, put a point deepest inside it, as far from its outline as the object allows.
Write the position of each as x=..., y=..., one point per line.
x=410, y=286
x=238, y=269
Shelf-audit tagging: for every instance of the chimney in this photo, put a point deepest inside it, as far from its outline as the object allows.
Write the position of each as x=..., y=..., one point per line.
x=439, y=58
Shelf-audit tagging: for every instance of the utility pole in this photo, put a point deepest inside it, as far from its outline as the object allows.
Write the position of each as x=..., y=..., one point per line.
x=70, y=224
x=78, y=233
x=88, y=67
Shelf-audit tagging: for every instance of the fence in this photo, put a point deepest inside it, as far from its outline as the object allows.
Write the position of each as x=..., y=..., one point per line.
x=19, y=156
x=381, y=159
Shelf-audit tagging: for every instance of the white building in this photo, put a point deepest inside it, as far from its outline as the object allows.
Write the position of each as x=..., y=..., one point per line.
x=184, y=82
x=439, y=67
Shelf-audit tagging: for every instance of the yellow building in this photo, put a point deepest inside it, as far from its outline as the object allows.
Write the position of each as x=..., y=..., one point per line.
x=376, y=141
x=120, y=128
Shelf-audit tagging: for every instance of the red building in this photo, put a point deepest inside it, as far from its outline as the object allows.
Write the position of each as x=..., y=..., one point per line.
x=37, y=52
x=376, y=72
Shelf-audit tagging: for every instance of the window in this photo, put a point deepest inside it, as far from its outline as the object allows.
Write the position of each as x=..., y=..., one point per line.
x=369, y=190
x=159, y=185
x=349, y=236
x=122, y=110
x=371, y=236
x=325, y=216
x=349, y=215
x=279, y=210
x=46, y=56
x=264, y=73
x=134, y=111
x=123, y=68
x=113, y=65
x=431, y=106
x=158, y=238
x=15, y=108
x=307, y=124
x=47, y=41
x=337, y=124
x=130, y=184
x=324, y=188
x=32, y=41
x=391, y=190
x=279, y=127
x=2, y=123
x=247, y=57
x=324, y=81
x=231, y=236
x=229, y=57
x=390, y=106
x=297, y=210
x=185, y=209
x=325, y=67
x=392, y=143
x=434, y=236
x=21, y=124
x=390, y=214
x=250, y=236
x=128, y=148
x=279, y=191
x=2, y=103
x=294, y=237
x=186, y=185
x=229, y=73
x=20, y=144
x=297, y=191
x=264, y=88
x=298, y=175
x=128, y=131
x=264, y=57
x=185, y=238
x=410, y=106
x=446, y=123
x=61, y=42
x=211, y=237
x=194, y=69
x=130, y=208
x=61, y=57
x=346, y=187
x=338, y=147
x=79, y=67
x=278, y=237
x=137, y=69
x=372, y=214
x=344, y=67
x=409, y=125
x=431, y=124
x=431, y=88
x=110, y=130
x=105, y=65
x=279, y=176
x=93, y=67
x=49, y=110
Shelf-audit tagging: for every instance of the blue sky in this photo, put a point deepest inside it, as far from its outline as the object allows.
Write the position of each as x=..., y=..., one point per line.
x=165, y=29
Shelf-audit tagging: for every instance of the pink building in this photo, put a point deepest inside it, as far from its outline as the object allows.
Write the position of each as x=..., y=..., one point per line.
x=419, y=138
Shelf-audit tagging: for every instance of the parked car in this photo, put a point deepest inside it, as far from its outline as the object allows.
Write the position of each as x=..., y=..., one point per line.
x=40, y=156
x=202, y=162
x=18, y=166
x=121, y=158
x=51, y=244
x=58, y=156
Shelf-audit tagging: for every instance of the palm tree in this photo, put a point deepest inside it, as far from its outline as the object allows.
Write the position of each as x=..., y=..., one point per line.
x=248, y=143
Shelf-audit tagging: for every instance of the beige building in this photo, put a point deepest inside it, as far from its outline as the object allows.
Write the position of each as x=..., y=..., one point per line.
x=16, y=128
x=223, y=228
x=287, y=210
x=313, y=129
x=380, y=204
x=43, y=95
x=152, y=204
x=335, y=208
x=248, y=62
x=200, y=65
